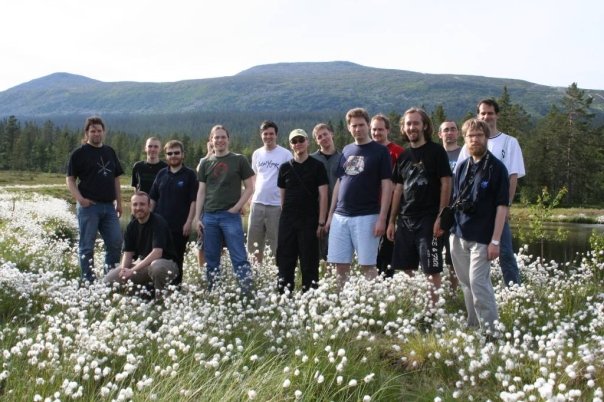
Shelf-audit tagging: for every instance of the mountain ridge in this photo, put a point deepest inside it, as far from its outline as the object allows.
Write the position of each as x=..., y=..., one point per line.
x=281, y=87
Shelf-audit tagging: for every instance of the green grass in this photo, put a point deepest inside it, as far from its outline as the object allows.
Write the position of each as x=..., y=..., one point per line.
x=377, y=339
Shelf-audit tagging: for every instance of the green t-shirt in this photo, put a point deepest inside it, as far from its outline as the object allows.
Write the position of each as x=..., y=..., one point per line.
x=222, y=176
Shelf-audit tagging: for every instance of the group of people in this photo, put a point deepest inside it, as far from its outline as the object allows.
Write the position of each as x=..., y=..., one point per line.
x=374, y=201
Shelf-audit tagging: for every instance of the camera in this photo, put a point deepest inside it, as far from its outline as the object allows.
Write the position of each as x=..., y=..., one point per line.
x=466, y=206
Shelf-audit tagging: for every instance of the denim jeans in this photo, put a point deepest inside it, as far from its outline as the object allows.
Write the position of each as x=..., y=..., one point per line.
x=100, y=217
x=507, y=259
x=221, y=225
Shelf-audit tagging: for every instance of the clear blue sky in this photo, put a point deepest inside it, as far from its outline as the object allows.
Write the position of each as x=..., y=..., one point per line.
x=548, y=42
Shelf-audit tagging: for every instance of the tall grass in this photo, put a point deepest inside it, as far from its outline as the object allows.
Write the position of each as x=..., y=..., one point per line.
x=380, y=341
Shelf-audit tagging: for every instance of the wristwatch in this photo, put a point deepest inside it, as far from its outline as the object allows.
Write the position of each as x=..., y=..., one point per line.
x=495, y=242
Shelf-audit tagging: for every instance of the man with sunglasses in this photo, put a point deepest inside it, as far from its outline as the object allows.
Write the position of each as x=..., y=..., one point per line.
x=302, y=182
x=173, y=196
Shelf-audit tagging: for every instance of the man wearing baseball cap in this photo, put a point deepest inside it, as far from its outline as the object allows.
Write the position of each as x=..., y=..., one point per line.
x=303, y=185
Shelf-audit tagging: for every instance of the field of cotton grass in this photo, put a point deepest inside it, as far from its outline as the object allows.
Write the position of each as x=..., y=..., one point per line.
x=375, y=341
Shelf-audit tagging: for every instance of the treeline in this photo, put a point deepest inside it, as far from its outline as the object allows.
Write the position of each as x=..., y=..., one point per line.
x=565, y=148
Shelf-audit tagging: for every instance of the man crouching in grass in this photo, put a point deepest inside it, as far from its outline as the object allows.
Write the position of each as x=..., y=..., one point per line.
x=149, y=256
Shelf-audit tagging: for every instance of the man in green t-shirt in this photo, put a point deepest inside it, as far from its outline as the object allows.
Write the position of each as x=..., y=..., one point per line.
x=218, y=207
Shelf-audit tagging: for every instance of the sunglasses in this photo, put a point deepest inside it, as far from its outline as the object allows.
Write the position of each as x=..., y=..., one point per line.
x=176, y=153
x=297, y=140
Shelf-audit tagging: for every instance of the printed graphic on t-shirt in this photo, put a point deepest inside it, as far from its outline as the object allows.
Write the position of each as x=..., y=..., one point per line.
x=416, y=176
x=452, y=164
x=354, y=165
x=104, y=167
x=268, y=164
x=220, y=169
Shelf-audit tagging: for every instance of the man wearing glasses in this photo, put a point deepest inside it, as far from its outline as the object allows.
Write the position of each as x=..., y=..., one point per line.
x=173, y=196
x=448, y=134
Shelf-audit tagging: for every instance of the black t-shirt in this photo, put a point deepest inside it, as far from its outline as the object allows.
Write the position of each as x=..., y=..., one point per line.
x=173, y=194
x=143, y=174
x=95, y=168
x=141, y=239
x=419, y=170
x=301, y=182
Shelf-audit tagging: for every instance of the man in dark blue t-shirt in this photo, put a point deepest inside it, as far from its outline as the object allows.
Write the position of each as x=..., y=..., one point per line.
x=93, y=180
x=360, y=201
x=481, y=196
x=173, y=196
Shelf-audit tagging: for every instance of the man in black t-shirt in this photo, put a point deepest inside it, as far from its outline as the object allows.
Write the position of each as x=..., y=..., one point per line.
x=303, y=185
x=144, y=172
x=422, y=179
x=93, y=180
x=149, y=255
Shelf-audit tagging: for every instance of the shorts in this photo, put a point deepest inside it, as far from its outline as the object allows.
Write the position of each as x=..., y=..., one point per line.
x=415, y=244
x=348, y=234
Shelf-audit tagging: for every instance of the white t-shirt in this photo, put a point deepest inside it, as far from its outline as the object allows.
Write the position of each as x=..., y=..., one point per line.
x=266, y=166
x=506, y=149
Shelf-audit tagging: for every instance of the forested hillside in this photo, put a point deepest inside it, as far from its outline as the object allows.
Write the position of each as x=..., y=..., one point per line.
x=290, y=91
x=564, y=148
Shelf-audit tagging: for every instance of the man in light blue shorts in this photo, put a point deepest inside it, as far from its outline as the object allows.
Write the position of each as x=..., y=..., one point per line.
x=360, y=201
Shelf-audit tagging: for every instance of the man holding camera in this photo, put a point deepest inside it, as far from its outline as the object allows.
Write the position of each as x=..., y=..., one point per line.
x=481, y=196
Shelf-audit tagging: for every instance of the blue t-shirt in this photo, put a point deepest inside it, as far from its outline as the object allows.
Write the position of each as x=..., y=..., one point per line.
x=361, y=171
x=483, y=186
x=173, y=194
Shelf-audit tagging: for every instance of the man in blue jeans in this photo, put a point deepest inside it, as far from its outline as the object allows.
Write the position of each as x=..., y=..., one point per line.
x=507, y=150
x=93, y=173
x=218, y=207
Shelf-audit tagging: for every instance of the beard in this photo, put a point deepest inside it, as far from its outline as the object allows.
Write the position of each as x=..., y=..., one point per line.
x=478, y=150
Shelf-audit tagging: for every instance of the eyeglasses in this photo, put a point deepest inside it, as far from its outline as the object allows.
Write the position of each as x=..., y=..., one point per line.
x=297, y=140
x=175, y=153
x=475, y=136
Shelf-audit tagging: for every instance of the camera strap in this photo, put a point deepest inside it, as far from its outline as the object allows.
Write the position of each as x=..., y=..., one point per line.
x=469, y=184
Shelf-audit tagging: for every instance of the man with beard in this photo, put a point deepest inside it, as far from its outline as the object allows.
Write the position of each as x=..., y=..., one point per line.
x=144, y=172
x=422, y=180
x=93, y=179
x=506, y=149
x=481, y=197
x=173, y=196
x=149, y=256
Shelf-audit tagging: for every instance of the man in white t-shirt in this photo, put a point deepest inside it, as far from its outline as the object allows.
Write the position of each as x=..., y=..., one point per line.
x=507, y=150
x=263, y=223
